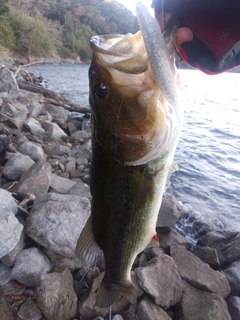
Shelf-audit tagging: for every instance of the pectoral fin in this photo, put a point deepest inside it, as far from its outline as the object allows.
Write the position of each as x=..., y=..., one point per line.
x=87, y=250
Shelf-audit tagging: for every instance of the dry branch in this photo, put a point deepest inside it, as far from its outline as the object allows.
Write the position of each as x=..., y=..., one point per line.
x=52, y=96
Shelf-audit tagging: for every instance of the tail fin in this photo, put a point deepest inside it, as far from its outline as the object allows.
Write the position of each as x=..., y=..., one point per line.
x=107, y=295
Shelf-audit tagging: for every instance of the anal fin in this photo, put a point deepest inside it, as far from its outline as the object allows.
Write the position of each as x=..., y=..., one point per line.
x=87, y=250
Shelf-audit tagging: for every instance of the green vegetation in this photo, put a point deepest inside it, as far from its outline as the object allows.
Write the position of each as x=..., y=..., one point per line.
x=59, y=28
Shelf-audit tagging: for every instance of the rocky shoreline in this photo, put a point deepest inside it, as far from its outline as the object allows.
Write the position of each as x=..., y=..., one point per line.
x=45, y=201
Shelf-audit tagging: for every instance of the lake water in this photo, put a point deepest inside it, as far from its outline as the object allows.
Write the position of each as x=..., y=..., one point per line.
x=208, y=153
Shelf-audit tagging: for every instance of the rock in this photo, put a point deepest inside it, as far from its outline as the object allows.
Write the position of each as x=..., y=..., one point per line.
x=29, y=311
x=149, y=311
x=10, y=228
x=8, y=84
x=56, y=149
x=56, y=221
x=34, y=108
x=198, y=274
x=160, y=279
x=88, y=309
x=35, y=180
x=5, y=274
x=53, y=131
x=59, y=261
x=13, y=114
x=61, y=185
x=172, y=238
x=5, y=310
x=30, y=264
x=226, y=242
x=32, y=149
x=81, y=152
x=59, y=114
x=4, y=148
x=232, y=273
x=208, y=255
x=80, y=189
x=234, y=307
x=8, y=204
x=71, y=165
x=117, y=317
x=82, y=161
x=9, y=259
x=56, y=297
x=168, y=213
x=34, y=127
x=79, y=136
x=15, y=166
x=75, y=174
x=201, y=305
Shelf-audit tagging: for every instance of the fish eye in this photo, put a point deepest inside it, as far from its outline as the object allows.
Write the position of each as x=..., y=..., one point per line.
x=100, y=90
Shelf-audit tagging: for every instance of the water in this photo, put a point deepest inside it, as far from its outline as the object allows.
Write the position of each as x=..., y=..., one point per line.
x=208, y=153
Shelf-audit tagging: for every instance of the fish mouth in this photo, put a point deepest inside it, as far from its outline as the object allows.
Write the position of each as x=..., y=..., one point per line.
x=125, y=53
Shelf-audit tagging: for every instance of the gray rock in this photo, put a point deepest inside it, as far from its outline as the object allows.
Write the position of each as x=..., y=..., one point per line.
x=71, y=165
x=172, y=238
x=168, y=213
x=149, y=311
x=59, y=261
x=53, y=131
x=201, y=305
x=160, y=279
x=56, y=297
x=5, y=274
x=80, y=189
x=79, y=136
x=56, y=221
x=33, y=150
x=234, y=307
x=81, y=152
x=232, y=273
x=30, y=264
x=59, y=114
x=226, y=242
x=16, y=165
x=6, y=312
x=61, y=185
x=34, y=108
x=8, y=204
x=208, y=255
x=8, y=84
x=56, y=149
x=82, y=161
x=13, y=114
x=29, y=311
x=34, y=127
x=9, y=259
x=10, y=232
x=198, y=274
x=35, y=180
x=117, y=317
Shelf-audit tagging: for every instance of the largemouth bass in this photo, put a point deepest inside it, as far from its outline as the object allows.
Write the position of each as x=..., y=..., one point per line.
x=136, y=123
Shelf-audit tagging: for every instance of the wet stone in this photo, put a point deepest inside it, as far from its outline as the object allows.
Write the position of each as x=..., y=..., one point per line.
x=232, y=273
x=233, y=303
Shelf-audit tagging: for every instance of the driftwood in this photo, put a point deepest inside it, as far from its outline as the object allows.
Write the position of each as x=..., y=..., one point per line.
x=52, y=97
